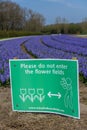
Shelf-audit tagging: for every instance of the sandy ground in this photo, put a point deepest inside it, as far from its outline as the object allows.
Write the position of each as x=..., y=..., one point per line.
x=83, y=36
x=10, y=120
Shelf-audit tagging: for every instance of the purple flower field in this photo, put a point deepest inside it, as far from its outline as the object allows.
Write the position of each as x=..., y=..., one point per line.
x=44, y=46
x=10, y=49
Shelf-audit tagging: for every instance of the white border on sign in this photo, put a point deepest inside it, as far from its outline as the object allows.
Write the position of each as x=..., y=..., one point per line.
x=49, y=108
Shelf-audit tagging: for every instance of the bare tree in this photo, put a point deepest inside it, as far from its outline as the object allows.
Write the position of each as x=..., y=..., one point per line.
x=61, y=25
x=84, y=25
x=35, y=21
x=11, y=15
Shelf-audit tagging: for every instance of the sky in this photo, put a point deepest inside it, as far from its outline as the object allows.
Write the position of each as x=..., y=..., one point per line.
x=73, y=10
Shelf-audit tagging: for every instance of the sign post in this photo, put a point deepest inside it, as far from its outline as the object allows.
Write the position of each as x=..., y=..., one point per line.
x=45, y=85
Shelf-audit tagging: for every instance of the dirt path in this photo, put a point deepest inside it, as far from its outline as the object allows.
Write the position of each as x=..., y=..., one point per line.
x=10, y=120
x=24, y=49
x=83, y=108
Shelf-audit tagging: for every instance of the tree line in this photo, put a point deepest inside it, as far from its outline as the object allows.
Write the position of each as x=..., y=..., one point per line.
x=15, y=18
x=62, y=25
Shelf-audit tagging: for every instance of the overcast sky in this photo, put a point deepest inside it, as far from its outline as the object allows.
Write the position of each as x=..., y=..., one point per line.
x=72, y=10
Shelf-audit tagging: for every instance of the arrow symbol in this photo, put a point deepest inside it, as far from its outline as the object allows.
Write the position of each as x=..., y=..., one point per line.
x=56, y=95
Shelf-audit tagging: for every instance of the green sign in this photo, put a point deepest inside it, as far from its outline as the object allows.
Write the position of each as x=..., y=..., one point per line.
x=45, y=85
